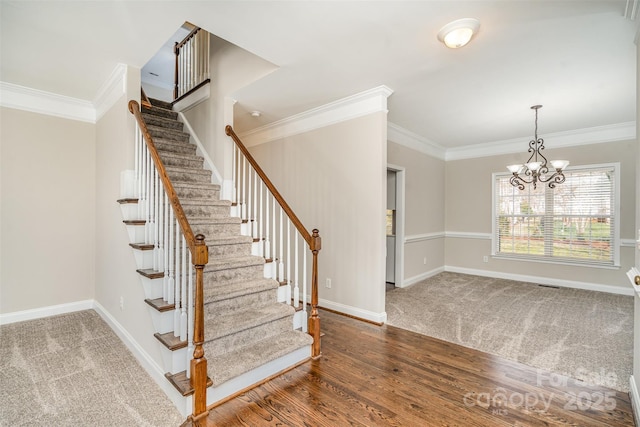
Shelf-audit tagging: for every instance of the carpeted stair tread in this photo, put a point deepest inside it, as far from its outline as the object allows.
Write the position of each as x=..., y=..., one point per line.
x=189, y=160
x=172, y=134
x=251, y=317
x=220, y=263
x=228, y=240
x=165, y=122
x=205, y=186
x=161, y=112
x=205, y=202
x=216, y=220
x=164, y=145
x=214, y=294
x=227, y=366
x=182, y=174
x=160, y=103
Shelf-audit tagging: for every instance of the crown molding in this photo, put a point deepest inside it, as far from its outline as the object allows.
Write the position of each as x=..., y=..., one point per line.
x=38, y=101
x=571, y=138
x=354, y=106
x=52, y=104
x=404, y=137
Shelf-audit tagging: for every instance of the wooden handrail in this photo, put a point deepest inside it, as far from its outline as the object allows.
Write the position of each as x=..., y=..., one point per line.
x=313, y=240
x=200, y=257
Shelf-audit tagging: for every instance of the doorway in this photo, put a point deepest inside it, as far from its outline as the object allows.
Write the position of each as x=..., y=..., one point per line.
x=395, y=227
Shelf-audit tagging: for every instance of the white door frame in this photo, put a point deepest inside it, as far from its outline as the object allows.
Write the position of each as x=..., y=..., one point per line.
x=400, y=183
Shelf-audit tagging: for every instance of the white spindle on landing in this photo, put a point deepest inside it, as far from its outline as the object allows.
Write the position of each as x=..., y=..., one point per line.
x=288, y=263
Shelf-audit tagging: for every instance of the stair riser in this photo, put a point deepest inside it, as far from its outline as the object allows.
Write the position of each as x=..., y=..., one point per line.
x=237, y=340
x=240, y=302
x=230, y=250
x=203, y=176
x=206, y=211
x=218, y=278
x=175, y=147
x=227, y=229
x=194, y=163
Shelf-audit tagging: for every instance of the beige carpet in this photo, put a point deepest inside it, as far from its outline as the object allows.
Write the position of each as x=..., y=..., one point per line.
x=72, y=370
x=581, y=334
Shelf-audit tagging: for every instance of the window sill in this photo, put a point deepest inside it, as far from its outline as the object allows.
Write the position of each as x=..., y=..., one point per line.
x=557, y=262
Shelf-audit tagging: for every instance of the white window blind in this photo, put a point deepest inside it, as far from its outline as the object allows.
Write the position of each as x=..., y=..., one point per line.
x=575, y=222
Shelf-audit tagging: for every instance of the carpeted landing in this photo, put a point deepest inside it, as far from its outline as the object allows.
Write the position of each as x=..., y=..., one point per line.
x=72, y=370
x=585, y=335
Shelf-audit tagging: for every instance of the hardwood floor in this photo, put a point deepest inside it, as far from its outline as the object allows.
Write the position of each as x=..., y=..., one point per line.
x=385, y=376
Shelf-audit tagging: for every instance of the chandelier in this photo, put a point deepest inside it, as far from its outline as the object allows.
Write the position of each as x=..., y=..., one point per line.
x=536, y=168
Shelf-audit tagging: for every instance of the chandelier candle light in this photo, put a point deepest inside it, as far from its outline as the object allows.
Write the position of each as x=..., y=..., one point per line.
x=536, y=168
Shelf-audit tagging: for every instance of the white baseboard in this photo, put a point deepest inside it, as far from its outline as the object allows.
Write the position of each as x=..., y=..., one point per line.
x=52, y=310
x=153, y=369
x=542, y=280
x=635, y=400
x=415, y=279
x=354, y=311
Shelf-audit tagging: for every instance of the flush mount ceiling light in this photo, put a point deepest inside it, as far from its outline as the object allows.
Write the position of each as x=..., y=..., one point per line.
x=458, y=33
x=255, y=113
x=536, y=168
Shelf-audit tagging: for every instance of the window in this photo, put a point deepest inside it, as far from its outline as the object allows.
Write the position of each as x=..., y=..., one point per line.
x=576, y=222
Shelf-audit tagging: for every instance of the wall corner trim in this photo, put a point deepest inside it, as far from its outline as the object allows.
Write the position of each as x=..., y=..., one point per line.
x=354, y=106
x=110, y=91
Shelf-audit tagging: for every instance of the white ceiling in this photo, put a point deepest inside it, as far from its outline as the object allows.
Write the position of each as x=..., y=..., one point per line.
x=575, y=57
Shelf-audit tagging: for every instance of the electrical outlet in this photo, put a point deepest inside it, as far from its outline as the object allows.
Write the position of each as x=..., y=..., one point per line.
x=485, y=259
x=328, y=283
x=121, y=303
x=425, y=261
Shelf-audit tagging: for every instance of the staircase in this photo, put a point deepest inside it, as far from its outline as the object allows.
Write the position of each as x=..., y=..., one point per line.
x=249, y=335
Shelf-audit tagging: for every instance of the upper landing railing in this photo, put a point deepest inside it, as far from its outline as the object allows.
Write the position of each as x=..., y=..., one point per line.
x=192, y=63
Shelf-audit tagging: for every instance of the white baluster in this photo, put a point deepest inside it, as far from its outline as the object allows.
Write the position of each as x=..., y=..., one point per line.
x=172, y=266
x=304, y=286
x=249, y=203
x=161, y=219
x=178, y=277
x=254, y=224
x=156, y=209
x=183, y=287
x=190, y=315
x=260, y=225
x=281, y=258
x=274, y=268
x=288, y=289
x=147, y=208
x=267, y=223
x=244, y=188
x=167, y=266
x=296, y=289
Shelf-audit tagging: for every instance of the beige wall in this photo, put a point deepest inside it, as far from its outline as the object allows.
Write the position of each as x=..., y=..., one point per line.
x=424, y=210
x=468, y=210
x=334, y=178
x=47, y=214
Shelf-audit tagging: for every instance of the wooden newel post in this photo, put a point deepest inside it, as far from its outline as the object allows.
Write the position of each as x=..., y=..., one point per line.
x=314, y=319
x=199, y=362
x=176, y=52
